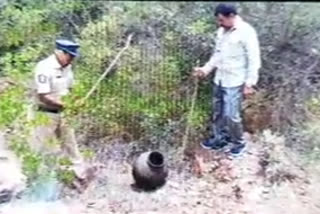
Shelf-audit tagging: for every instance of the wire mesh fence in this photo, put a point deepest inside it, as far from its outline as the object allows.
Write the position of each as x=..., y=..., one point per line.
x=150, y=86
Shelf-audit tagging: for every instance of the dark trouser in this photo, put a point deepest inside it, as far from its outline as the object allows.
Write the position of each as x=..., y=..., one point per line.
x=227, y=121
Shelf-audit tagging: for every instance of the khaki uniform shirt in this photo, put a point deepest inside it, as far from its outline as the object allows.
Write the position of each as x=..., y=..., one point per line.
x=51, y=78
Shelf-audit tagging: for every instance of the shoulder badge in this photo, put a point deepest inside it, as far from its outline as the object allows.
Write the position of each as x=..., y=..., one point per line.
x=42, y=78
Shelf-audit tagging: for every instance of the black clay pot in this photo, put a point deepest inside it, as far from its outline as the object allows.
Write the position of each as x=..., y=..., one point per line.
x=150, y=171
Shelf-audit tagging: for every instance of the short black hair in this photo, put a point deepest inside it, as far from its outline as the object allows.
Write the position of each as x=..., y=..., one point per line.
x=225, y=10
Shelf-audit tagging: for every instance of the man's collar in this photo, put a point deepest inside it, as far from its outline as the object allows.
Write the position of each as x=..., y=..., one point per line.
x=238, y=21
x=55, y=62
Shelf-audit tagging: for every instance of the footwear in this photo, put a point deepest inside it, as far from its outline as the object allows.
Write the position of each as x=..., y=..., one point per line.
x=214, y=143
x=237, y=149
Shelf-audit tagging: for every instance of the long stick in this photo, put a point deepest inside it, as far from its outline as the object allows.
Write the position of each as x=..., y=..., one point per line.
x=109, y=68
x=193, y=102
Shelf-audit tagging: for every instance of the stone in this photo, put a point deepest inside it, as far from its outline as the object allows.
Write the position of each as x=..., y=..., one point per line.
x=13, y=181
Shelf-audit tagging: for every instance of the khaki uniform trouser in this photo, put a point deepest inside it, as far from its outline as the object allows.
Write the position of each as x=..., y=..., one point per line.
x=55, y=137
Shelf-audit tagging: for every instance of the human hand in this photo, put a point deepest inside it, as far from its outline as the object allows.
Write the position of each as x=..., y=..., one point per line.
x=199, y=72
x=248, y=91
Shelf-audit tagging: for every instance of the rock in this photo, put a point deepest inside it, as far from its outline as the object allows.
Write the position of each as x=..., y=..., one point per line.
x=13, y=181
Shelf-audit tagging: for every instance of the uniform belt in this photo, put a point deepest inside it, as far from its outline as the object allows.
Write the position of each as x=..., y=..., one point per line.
x=44, y=109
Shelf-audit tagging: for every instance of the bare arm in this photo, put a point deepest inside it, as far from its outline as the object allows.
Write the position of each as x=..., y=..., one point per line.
x=211, y=65
x=51, y=101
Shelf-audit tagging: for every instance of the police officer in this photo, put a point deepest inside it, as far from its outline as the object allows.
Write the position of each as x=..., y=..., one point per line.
x=54, y=79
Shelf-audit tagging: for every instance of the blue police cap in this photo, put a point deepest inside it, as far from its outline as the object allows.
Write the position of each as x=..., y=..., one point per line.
x=68, y=46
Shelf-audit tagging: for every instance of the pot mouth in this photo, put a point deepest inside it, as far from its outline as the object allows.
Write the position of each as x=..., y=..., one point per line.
x=156, y=160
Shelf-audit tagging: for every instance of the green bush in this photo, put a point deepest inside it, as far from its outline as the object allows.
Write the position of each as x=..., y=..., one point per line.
x=12, y=104
x=22, y=25
x=19, y=65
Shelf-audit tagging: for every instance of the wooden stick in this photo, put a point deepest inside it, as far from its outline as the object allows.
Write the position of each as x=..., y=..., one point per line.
x=189, y=118
x=109, y=68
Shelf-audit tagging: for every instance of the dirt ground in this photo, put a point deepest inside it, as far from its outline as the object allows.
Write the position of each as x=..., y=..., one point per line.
x=251, y=184
x=267, y=179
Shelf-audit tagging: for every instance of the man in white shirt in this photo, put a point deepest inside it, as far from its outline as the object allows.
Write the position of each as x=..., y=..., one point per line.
x=53, y=79
x=236, y=60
